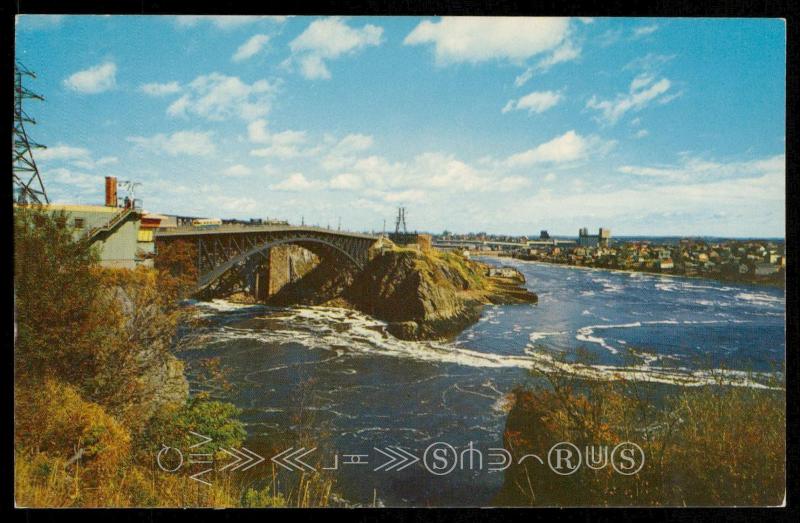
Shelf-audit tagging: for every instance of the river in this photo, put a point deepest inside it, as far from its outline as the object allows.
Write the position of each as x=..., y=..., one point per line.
x=369, y=390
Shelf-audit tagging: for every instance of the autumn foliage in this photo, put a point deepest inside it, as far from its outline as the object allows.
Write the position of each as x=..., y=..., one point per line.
x=713, y=445
x=97, y=387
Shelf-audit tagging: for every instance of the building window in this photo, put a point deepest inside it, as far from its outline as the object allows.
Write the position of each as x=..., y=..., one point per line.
x=78, y=223
x=145, y=235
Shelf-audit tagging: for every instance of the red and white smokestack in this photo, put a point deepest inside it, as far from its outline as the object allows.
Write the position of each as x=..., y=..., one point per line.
x=111, y=191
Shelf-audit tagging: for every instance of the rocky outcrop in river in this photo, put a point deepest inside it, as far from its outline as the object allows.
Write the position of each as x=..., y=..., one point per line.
x=420, y=294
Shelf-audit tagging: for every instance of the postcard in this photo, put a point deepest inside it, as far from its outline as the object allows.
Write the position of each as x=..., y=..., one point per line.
x=418, y=261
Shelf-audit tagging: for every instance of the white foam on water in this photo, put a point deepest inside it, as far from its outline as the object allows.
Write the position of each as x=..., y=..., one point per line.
x=759, y=298
x=607, y=284
x=649, y=373
x=313, y=328
x=536, y=336
x=666, y=287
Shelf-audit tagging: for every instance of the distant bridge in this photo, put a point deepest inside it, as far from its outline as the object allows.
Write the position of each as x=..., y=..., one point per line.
x=496, y=244
x=221, y=248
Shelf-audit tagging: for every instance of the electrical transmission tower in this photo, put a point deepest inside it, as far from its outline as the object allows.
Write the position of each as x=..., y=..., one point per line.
x=28, y=186
x=400, y=222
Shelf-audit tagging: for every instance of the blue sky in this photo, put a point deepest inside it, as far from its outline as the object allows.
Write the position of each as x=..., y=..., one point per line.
x=645, y=126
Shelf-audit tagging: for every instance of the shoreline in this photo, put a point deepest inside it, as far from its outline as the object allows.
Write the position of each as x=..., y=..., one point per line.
x=633, y=271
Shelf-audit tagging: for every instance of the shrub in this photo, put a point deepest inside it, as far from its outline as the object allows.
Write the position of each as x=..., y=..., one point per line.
x=712, y=445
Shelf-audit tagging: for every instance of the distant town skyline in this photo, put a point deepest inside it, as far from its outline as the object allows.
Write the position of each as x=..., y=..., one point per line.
x=657, y=127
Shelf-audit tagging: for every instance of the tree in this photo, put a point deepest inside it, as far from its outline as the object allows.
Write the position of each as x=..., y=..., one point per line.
x=54, y=291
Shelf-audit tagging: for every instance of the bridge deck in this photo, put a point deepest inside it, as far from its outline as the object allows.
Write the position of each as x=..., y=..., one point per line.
x=247, y=229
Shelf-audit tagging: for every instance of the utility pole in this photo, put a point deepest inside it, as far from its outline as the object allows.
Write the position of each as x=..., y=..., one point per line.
x=28, y=186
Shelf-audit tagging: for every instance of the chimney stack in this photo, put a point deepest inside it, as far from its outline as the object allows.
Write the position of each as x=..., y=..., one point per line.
x=111, y=191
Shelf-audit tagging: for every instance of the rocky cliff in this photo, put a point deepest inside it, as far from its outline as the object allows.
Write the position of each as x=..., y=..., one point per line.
x=421, y=295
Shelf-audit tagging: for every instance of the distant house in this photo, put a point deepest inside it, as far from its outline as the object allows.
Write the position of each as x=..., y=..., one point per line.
x=765, y=269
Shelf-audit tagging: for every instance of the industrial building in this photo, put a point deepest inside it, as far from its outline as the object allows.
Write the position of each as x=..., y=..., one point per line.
x=600, y=240
x=123, y=235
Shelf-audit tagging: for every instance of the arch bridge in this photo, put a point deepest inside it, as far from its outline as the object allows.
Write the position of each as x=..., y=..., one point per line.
x=222, y=248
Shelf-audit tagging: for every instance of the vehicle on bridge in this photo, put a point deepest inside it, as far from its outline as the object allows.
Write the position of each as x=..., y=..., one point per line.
x=206, y=223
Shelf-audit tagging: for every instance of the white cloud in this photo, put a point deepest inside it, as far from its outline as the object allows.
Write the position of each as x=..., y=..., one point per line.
x=535, y=102
x=296, y=182
x=344, y=152
x=353, y=143
x=93, y=80
x=641, y=133
x=610, y=37
x=644, y=30
x=233, y=204
x=189, y=143
x=641, y=81
x=327, y=39
x=550, y=177
x=251, y=47
x=160, y=89
x=410, y=195
x=63, y=152
x=237, y=171
x=100, y=162
x=257, y=131
x=217, y=97
x=434, y=172
x=285, y=144
x=86, y=183
x=523, y=77
x=346, y=181
x=649, y=62
x=643, y=90
x=568, y=147
x=77, y=156
x=694, y=169
x=479, y=39
x=756, y=193
x=564, y=53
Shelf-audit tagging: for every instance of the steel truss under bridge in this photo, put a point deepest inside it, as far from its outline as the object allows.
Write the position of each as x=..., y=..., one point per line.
x=223, y=248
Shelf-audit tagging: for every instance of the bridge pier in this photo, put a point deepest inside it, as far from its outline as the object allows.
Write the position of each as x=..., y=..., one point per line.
x=277, y=269
x=266, y=276
x=257, y=274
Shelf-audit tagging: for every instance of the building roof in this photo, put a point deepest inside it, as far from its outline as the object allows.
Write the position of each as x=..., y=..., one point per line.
x=81, y=208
